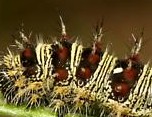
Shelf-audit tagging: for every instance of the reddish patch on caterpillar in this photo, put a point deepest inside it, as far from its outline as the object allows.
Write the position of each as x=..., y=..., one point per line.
x=130, y=74
x=63, y=53
x=62, y=74
x=28, y=57
x=94, y=58
x=98, y=46
x=121, y=89
x=84, y=73
x=27, y=53
x=135, y=58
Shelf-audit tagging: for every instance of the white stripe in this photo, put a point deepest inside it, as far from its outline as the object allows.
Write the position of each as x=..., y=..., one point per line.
x=38, y=55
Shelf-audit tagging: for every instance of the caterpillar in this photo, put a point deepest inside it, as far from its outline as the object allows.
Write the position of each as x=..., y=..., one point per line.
x=70, y=78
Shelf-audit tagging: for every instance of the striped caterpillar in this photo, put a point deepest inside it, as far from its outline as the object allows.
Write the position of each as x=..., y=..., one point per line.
x=71, y=78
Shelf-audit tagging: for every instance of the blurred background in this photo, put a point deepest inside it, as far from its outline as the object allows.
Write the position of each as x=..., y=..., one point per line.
x=121, y=18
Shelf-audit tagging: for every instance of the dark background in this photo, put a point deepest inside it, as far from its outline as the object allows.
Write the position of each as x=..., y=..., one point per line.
x=122, y=17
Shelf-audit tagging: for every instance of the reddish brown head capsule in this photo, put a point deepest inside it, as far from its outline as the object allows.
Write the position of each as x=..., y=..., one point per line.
x=121, y=89
x=62, y=74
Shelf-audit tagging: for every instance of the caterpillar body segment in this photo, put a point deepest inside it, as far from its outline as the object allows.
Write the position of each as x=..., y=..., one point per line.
x=70, y=78
x=139, y=99
x=25, y=75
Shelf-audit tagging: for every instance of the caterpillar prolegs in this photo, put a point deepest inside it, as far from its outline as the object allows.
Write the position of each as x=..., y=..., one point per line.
x=70, y=78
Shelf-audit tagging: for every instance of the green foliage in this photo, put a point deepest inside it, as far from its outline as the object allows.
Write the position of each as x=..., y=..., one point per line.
x=7, y=110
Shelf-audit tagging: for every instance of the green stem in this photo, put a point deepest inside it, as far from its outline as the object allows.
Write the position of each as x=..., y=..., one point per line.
x=8, y=110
